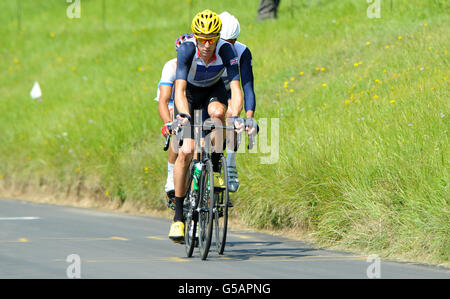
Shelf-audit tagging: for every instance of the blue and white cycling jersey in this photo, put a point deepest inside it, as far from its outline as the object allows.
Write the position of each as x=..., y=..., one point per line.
x=245, y=67
x=168, y=78
x=195, y=71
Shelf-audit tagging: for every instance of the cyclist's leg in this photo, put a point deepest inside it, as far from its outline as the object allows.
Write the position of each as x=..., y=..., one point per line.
x=217, y=107
x=180, y=177
x=184, y=157
x=172, y=156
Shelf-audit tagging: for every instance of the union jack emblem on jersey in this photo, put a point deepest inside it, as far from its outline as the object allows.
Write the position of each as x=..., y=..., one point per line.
x=234, y=61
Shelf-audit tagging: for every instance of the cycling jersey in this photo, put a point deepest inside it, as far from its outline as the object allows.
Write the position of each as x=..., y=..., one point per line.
x=168, y=78
x=245, y=67
x=195, y=71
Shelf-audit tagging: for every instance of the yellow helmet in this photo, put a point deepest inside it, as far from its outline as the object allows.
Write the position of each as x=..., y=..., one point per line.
x=206, y=22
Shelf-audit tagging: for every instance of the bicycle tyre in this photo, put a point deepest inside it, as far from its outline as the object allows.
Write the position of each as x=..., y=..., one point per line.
x=205, y=211
x=190, y=228
x=221, y=211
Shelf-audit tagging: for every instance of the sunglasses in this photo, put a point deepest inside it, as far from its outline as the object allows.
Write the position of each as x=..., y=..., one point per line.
x=211, y=40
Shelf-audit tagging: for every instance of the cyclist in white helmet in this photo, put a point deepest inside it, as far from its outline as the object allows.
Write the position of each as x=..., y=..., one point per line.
x=230, y=32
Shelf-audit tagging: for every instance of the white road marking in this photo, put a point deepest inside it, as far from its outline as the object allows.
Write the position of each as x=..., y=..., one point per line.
x=18, y=218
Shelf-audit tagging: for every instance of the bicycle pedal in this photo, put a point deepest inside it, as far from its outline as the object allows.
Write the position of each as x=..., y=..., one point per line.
x=171, y=205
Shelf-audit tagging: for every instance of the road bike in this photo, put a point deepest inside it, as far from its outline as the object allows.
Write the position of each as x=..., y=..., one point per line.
x=206, y=203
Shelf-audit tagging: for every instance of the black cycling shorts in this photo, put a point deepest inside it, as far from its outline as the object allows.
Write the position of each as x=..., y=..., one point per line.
x=199, y=98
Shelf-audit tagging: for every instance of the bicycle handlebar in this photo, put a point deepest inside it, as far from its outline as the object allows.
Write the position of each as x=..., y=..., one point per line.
x=207, y=126
x=212, y=126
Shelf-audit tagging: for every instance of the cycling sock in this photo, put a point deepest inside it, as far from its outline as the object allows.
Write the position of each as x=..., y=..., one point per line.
x=231, y=158
x=170, y=167
x=178, y=209
x=170, y=173
x=169, y=181
x=215, y=159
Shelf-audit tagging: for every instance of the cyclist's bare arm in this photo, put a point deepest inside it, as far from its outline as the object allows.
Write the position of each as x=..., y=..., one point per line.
x=163, y=105
x=236, y=98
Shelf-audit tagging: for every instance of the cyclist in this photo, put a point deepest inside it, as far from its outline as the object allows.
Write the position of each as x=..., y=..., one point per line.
x=165, y=108
x=230, y=32
x=198, y=85
x=165, y=95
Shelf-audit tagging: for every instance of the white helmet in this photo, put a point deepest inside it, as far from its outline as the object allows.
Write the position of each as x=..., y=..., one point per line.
x=230, y=26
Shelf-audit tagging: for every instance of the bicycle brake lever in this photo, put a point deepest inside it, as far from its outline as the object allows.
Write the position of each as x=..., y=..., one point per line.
x=166, y=145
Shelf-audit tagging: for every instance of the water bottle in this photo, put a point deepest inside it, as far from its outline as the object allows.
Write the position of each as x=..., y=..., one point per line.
x=197, y=174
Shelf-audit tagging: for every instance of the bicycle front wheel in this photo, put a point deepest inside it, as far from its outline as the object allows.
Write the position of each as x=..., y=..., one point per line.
x=205, y=210
x=221, y=209
x=190, y=215
x=190, y=232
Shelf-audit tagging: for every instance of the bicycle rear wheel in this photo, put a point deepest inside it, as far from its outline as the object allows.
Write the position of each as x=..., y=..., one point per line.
x=205, y=210
x=221, y=209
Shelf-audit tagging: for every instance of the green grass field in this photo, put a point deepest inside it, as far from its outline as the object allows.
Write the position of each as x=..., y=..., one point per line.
x=362, y=106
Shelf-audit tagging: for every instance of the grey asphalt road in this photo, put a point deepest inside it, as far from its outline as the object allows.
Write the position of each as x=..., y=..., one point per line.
x=37, y=239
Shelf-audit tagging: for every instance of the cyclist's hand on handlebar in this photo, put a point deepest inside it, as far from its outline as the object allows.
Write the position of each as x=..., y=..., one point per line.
x=251, y=126
x=239, y=124
x=166, y=130
x=182, y=119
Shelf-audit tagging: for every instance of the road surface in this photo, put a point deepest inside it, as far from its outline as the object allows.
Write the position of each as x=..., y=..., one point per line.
x=50, y=241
